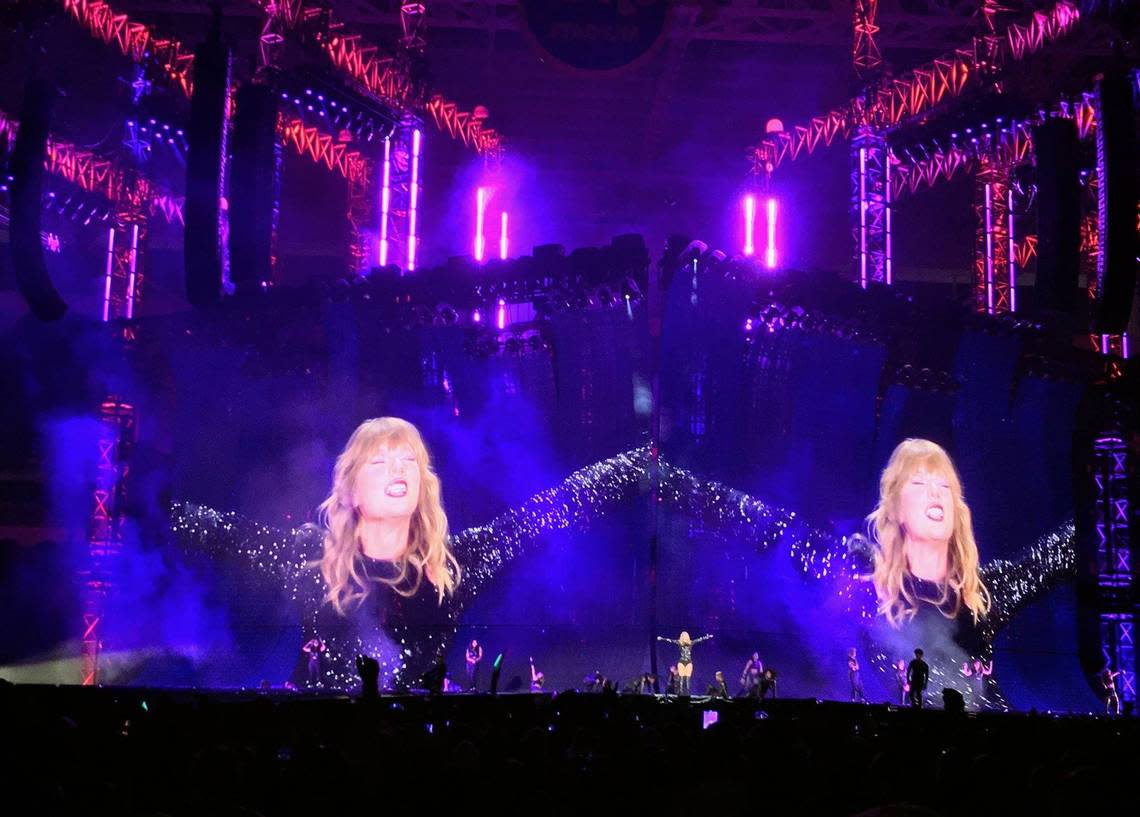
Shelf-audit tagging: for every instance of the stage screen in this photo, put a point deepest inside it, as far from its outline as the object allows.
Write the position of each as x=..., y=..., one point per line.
x=589, y=521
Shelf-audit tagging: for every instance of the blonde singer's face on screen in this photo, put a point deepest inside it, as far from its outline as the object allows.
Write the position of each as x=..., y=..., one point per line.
x=388, y=486
x=926, y=506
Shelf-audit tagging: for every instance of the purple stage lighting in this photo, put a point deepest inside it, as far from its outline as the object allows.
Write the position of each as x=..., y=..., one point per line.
x=480, y=214
x=416, y=136
x=385, y=201
x=770, y=252
x=1012, y=253
x=749, y=226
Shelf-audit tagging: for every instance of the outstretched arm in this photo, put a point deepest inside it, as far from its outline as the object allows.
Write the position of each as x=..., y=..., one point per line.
x=586, y=494
x=275, y=553
x=1043, y=565
x=702, y=638
x=669, y=640
x=733, y=514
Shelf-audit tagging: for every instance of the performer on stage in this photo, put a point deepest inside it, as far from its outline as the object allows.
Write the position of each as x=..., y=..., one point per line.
x=673, y=683
x=917, y=676
x=902, y=687
x=854, y=678
x=314, y=649
x=391, y=583
x=473, y=655
x=1108, y=683
x=750, y=675
x=595, y=682
x=685, y=661
x=719, y=687
x=978, y=672
x=767, y=688
x=537, y=679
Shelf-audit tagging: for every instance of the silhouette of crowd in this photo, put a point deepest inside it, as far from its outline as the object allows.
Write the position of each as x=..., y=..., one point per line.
x=130, y=751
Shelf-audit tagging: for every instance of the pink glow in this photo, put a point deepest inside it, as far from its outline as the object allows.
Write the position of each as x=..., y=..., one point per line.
x=480, y=214
x=385, y=201
x=412, y=238
x=770, y=253
x=989, y=250
x=1012, y=255
x=863, y=217
x=133, y=271
x=749, y=226
x=504, y=241
x=887, y=216
x=501, y=323
x=107, y=279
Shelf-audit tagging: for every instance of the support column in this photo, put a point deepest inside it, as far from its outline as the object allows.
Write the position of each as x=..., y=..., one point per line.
x=1114, y=561
x=993, y=272
x=400, y=186
x=871, y=208
x=104, y=535
x=362, y=220
x=123, y=270
x=1115, y=347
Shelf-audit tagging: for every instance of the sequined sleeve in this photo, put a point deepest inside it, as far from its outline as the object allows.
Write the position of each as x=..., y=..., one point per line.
x=732, y=514
x=846, y=562
x=1014, y=584
x=279, y=555
x=586, y=494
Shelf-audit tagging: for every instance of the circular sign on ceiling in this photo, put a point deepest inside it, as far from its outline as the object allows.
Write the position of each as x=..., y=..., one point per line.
x=596, y=35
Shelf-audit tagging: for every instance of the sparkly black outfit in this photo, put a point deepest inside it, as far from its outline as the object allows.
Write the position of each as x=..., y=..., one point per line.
x=686, y=648
x=686, y=658
x=406, y=635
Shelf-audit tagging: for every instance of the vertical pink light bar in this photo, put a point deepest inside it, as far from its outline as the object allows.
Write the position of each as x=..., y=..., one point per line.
x=989, y=260
x=385, y=201
x=480, y=214
x=416, y=136
x=501, y=318
x=749, y=226
x=770, y=252
x=1124, y=346
x=107, y=277
x=887, y=216
x=1012, y=255
x=504, y=241
x=134, y=270
x=863, y=217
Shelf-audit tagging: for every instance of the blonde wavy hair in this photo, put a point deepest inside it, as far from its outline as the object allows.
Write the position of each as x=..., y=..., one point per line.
x=427, y=555
x=964, y=585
